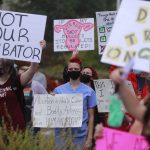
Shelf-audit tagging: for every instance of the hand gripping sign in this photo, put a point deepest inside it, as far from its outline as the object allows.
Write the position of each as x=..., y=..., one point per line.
x=72, y=30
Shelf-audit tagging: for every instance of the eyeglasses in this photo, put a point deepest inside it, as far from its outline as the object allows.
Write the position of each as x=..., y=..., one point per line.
x=73, y=69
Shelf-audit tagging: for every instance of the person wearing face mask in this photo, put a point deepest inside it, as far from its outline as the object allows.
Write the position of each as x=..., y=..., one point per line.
x=87, y=77
x=88, y=74
x=81, y=137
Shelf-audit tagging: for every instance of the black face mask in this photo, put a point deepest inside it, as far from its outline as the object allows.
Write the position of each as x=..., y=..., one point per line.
x=74, y=74
x=85, y=78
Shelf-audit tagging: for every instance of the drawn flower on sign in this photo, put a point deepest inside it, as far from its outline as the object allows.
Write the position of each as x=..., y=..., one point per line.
x=72, y=31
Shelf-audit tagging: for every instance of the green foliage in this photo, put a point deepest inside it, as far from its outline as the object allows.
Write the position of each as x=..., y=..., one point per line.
x=61, y=9
x=17, y=140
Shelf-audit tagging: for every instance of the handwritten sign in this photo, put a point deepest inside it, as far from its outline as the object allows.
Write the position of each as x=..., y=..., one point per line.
x=20, y=34
x=130, y=36
x=105, y=88
x=118, y=140
x=105, y=21
x=74, y=34
x=61, y=110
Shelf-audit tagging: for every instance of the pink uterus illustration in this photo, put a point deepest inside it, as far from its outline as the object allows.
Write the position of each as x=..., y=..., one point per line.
x=72, y=31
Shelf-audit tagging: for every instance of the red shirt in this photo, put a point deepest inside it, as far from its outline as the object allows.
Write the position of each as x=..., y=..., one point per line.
x=11, y=105
x=133, y=78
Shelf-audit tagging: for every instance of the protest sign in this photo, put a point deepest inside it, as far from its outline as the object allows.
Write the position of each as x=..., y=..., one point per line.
x=61, y=110
x=74, y=34
x=118, y=3
x=130, y=36
x=118, y=140
x=20, y=34
x=105, y=21
x=104, y=89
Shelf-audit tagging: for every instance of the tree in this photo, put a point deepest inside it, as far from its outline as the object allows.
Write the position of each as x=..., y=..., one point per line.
x=63, y=9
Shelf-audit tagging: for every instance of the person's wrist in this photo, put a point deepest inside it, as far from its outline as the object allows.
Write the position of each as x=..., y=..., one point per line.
x=89, y=139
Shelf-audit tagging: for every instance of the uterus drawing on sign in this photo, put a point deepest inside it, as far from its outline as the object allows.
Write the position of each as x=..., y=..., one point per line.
x=72, y=30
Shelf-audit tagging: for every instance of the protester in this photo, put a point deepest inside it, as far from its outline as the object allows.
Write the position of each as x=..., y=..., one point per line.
x=28, y=99
x=11, y=85
x=138, y=80
x=137, y=126
x=65, y=71
x=81, y=136
x=140, y=112
x=140, y=86
x=11, y=93
x=88, y=74
x=32, y=87
x=40, y=77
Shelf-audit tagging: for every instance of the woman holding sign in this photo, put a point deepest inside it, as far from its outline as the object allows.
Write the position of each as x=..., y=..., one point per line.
x=11, y=93
x=81, y=137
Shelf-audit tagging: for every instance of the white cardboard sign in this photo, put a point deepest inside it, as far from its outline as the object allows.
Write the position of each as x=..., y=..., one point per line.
x=74, y=34
x=130, y=36
x=58, y=111
x=20, y=34
x=104, y=89
x=105, y=21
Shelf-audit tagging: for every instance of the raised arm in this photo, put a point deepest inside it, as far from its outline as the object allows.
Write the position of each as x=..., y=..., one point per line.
x=27, y=75
x=130, y=101
x=75, y=53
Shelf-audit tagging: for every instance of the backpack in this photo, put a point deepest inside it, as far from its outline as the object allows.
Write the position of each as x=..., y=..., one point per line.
x=19, y=93
x=28, y=99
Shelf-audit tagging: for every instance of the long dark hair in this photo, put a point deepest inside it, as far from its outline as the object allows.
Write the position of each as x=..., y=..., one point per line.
x=94, y=75
x=65, y=75
x=7, y=65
